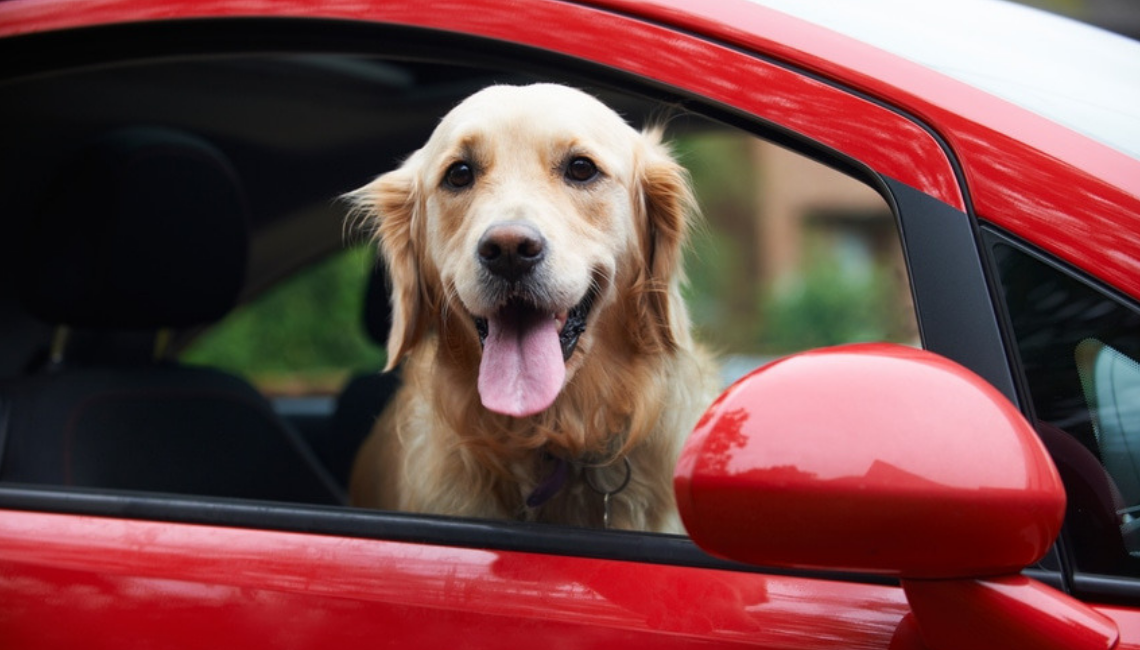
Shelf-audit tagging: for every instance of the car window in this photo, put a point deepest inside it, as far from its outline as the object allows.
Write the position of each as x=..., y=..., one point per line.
x=790, y=254
x=1079, y=348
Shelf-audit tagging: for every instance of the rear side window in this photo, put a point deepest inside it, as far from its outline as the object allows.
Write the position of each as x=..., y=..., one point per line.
x=1079, y=348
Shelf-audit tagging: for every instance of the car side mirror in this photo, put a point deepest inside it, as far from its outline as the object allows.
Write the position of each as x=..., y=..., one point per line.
x=884, y=459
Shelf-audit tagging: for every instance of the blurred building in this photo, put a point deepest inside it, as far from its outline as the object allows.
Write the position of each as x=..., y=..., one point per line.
x=808, y=208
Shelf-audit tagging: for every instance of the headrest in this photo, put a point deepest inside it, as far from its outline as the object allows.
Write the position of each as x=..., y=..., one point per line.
x=148, y=228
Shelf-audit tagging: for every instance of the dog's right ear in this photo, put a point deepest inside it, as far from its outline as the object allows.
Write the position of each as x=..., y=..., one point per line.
x=391, y=207
x=667, y=207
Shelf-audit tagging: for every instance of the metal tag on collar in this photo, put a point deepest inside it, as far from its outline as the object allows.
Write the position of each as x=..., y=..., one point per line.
x=606, y=494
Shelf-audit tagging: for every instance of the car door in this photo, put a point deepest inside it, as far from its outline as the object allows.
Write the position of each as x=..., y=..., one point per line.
x=130, y=569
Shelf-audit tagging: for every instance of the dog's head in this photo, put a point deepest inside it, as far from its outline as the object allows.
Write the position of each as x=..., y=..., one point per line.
x=533, y=220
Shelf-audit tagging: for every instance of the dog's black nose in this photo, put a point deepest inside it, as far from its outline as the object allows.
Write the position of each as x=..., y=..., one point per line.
x=511, y=250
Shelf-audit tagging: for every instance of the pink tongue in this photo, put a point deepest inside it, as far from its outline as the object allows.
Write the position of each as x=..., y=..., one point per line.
x=522, y=368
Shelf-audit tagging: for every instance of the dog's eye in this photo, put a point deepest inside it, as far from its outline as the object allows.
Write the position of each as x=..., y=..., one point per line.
x=459, y=175
x=581, y=170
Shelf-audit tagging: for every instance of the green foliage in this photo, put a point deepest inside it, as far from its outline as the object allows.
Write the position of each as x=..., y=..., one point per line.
x=309, y=328
x=720, y=291
x=714, y=268
x=720, y=167
x=829, y=306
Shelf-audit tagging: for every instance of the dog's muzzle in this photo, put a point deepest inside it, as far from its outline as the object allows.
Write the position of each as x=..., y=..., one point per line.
x=526, y=344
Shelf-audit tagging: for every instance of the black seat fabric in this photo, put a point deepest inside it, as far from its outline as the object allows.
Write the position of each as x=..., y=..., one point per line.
x=148, y=230
x=1092, y=506
x=164, y=429
x=357, y=408
x=366, y=395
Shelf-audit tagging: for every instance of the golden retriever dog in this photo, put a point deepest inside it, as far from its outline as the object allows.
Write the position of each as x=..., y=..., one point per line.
x=534, y=246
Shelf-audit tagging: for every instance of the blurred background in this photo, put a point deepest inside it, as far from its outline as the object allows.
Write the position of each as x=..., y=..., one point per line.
x=1120, y=16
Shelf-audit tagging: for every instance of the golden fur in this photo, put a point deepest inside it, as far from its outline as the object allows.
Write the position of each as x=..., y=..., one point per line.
x=636, y=382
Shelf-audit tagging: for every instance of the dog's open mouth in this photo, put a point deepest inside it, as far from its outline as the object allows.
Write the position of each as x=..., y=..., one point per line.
x=525, y=349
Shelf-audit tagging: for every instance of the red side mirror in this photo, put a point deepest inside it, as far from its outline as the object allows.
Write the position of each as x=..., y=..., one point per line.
x=885, y=459
x=872, y=458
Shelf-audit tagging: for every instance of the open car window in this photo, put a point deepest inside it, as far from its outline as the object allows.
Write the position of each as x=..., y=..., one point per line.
x=790, y=254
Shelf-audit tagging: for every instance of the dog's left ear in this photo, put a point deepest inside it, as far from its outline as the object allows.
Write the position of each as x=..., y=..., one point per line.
x=391, y=206
x=667, y=206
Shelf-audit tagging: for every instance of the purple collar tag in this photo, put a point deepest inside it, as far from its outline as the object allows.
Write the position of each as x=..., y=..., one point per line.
x=550, y=485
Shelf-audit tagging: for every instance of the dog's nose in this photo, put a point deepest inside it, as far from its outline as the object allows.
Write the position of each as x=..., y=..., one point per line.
x=511, y=250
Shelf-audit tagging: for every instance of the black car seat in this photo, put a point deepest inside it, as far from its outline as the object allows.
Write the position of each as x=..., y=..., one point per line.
x=366, y=395
x=1092, y=506
x=146, y=231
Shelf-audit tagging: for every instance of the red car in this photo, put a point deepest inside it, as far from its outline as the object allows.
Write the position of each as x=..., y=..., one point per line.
x=165, y=160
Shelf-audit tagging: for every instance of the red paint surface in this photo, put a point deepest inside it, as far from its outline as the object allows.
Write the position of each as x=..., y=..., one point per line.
x=1127, y=621
x=86, y=582
x=1002, y=613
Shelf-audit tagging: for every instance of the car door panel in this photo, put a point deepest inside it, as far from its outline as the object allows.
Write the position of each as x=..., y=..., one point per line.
x=131, y=584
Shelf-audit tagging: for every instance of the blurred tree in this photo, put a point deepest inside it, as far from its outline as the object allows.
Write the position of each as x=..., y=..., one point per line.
x=721, y=263
x=828, y=305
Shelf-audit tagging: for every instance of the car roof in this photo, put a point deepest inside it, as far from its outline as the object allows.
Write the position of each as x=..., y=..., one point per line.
x=1077, y=75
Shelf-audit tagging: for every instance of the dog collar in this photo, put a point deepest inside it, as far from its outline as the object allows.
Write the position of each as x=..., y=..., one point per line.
x=551, y=484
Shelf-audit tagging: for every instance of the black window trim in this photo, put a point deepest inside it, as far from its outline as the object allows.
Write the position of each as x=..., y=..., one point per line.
x=524, y=537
